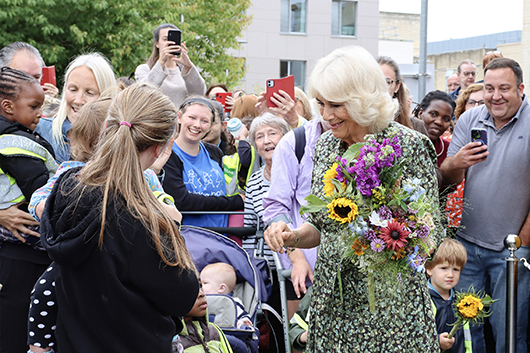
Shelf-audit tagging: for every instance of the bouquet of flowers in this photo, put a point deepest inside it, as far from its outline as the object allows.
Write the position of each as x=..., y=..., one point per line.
x=385, y=219
x=470, y=307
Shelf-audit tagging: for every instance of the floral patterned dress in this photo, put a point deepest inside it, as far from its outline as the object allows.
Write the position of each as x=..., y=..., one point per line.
x=403, y=320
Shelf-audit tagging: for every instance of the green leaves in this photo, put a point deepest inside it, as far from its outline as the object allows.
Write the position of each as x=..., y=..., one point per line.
x=122, y=31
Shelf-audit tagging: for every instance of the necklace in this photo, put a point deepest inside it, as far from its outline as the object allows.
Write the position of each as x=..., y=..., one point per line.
x=266, y=174
x=443, y=147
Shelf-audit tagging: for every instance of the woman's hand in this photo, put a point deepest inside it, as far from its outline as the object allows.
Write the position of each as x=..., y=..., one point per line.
x=165, y=55
x=173, y=212
x=16, y=220
x=243, y=134
x=50, y=90
x=184, y=59
x=163, y=157
x=286, y=107
x=40, y=208
x=229, y=103
x=301, y=270
x=279, y=235
x=261, y=105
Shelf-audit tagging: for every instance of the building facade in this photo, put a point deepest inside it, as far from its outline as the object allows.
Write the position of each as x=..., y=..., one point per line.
x=288, y=36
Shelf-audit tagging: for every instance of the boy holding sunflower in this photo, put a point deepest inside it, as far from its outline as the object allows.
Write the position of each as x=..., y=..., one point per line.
x=444, y=273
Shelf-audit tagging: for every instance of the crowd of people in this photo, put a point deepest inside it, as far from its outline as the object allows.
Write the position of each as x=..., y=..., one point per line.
x=96, y=179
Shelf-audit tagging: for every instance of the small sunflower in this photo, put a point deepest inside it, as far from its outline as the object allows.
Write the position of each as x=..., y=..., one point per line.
x=342, y=210
x=395, y=235
x=329, y=175
x=470, y=306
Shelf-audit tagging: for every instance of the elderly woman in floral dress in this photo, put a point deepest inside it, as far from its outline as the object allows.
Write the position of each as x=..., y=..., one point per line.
x=352, y=94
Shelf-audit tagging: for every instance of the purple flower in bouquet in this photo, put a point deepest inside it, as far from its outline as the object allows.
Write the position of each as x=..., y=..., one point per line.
x=423, y=232
x=372, y=159
x=341, y=163
x=370, y=235
x=377, y=245
x=385, y=213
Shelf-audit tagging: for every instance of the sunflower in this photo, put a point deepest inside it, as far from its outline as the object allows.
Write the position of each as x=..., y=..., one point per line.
x=329, y=175
x=342, y=210
x=470, y=306
x=394, y=235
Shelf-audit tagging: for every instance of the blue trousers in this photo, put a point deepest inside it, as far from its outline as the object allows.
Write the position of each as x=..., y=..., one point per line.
x=486, y=270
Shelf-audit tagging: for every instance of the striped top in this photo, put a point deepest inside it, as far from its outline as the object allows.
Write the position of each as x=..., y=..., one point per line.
x=257, y=187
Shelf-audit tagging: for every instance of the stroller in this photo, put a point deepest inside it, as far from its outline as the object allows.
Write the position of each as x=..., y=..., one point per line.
x=203, y=256
x=206, y=247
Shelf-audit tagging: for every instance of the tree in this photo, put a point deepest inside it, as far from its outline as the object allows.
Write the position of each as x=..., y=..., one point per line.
x=122, y=31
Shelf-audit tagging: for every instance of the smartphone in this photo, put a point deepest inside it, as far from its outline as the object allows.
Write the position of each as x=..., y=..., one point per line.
x=481, y=135
x=174, y=36
x=221, y=98
x=275, y=84
x=48, y=75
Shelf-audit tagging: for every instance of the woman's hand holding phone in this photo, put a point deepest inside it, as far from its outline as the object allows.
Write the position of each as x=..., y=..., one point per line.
x=50, y=90
x=184, y=59
x=286, y=107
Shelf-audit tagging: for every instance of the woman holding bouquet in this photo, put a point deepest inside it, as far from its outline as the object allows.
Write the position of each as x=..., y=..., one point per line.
x=361, y=303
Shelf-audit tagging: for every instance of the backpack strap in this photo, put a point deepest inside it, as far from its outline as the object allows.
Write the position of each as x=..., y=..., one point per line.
x=299, y=138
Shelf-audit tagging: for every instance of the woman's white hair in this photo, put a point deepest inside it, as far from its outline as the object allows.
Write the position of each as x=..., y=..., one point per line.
x=267, y=119
x=105, y=78
x=351, y=76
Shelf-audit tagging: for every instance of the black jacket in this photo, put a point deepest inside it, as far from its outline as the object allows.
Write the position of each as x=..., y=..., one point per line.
x=29, y=173
x=188, y=201
x=445, y=316
x=120, y=298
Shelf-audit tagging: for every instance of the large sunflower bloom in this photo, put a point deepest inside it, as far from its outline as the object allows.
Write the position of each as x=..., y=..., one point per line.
x=394, y=235
x=342, y=210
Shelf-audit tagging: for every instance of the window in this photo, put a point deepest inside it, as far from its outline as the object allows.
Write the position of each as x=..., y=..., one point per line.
x=293, y=16
x=295, y=68
x=343, y=15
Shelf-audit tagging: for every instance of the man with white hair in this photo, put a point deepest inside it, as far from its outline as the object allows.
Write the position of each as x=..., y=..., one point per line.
x=453, y=82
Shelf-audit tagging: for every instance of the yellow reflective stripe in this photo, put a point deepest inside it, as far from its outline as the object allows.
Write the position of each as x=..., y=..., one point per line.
x=296, y=319
x=18, y=199
x=225, y=345
x=11, y=151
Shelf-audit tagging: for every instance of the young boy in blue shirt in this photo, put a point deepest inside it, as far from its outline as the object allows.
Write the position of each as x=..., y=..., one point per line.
x=444, y=273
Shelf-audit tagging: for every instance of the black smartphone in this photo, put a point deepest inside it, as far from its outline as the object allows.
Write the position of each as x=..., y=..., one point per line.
x=174, y=35
x=478, y=134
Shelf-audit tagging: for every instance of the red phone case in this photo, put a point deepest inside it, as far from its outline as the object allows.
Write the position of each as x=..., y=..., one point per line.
x=48, y=75
x=274, y=85
x=221, y=98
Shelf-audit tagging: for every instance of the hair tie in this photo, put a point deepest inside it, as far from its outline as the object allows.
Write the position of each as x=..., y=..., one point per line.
x=125, y=123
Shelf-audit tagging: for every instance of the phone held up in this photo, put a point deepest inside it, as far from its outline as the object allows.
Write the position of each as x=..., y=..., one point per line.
x=48, y=75
x=274, y=85
x=221, y=98
x=174, y=35
x=478, y=134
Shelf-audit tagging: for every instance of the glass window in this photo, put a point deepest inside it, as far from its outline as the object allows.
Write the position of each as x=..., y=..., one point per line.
x=343, y=14
x=293, y=16
x=295, y=68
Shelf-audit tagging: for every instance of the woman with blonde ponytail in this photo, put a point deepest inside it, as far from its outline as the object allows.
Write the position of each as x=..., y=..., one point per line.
x=122, y=269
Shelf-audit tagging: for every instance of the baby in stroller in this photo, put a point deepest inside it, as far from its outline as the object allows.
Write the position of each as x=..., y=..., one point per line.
x=218, y=282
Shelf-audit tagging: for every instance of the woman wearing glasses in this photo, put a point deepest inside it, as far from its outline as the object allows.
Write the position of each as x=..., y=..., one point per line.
x=472, y=97
x=396, y=89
